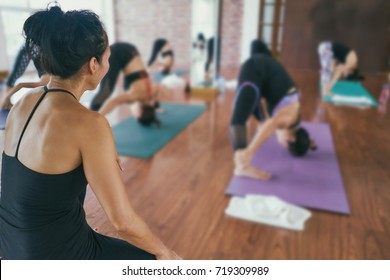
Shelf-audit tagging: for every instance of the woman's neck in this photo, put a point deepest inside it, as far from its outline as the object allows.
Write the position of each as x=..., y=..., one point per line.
x=74, y=86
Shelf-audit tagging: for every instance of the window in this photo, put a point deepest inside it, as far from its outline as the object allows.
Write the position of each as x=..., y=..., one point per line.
x=13, y=13
x=271, y=18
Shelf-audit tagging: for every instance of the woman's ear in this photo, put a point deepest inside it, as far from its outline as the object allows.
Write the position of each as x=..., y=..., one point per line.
x=291, y=136
x=93, y=65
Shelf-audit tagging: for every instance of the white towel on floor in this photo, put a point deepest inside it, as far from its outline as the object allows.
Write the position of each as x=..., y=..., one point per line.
x=173, y=81
x=268, y=210
x=351, y=99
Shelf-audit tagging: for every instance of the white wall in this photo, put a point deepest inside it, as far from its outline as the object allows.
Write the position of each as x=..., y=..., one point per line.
x=249, y=26
x=3, y=49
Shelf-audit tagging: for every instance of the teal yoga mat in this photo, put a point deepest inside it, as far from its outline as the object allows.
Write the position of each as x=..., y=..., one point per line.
x=350, y=93
x=135, y=140
x=158, y=76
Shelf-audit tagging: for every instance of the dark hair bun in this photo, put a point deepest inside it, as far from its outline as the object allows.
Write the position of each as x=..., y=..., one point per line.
x=55, y=10
x=65, y=41
x=301, y=144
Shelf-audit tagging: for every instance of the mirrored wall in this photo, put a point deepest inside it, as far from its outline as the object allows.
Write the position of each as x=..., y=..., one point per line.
x=204, y=33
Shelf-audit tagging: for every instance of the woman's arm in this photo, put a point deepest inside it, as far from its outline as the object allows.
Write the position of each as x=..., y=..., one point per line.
x=103, y=175
x=6, y=103
x=337, y=73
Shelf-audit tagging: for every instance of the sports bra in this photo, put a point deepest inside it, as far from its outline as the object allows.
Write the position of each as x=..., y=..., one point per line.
x=167, y=53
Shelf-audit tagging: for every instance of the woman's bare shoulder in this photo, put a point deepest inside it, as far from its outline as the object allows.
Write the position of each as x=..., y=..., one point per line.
x=90, y=122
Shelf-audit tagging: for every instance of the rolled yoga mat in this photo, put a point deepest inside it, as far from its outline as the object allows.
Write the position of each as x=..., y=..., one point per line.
x=134, y=140
x=350, y=93
x=312, y=181
x=3, y=118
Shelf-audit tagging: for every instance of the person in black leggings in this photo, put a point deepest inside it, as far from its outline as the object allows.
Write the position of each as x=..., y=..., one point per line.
x=21, y=62
x=209, y=67
x=54, y=147
x=258, y=46
x=266, y=91
x=137, y=84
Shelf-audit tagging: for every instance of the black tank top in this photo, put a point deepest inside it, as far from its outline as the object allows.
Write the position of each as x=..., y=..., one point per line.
x=41, y=216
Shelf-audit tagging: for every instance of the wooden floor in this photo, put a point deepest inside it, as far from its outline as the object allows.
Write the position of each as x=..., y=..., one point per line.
x=180, y=191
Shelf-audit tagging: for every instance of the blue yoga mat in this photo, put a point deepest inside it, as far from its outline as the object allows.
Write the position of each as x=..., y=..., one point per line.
x=158, y=76
x=3, y=118
x=134, y=140
x=350, y=93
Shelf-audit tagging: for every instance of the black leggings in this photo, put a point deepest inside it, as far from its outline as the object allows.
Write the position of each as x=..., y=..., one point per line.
x=246, y=103
x=106, y=88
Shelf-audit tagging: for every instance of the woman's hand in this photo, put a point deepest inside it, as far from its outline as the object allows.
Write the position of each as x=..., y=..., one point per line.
x=168, y=255
x=6, y=103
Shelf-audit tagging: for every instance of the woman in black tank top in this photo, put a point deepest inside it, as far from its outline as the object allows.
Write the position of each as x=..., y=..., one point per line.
x=54, y=147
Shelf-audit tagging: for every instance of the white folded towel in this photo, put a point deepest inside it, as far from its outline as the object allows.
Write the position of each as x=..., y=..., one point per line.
x=351, y=99
x=268, y=210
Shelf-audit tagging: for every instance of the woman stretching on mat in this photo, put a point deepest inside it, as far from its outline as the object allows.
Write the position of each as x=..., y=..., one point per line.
x=54, y=147
x=162, y=56
x=337, y=62
x=266, y=91
x=22, y=60
x=137, y=84
x=161, y=61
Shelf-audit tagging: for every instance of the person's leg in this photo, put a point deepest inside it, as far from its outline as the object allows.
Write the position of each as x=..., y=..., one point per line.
x=243, y=157
x=246, y=103
x=351, y=62
x=110, y=104
x=326, y=61
x=21, y=62
x=106, y=88
x=116, y=249
x=351, y=66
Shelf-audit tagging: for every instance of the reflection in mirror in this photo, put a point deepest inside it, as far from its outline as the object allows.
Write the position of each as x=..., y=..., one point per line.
x=204, y=31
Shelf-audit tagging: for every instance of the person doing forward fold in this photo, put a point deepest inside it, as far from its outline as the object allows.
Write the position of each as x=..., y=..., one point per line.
x=266, y=91
x=162, y=56
x=337, y=62
x=54, y=147
x=137, y=85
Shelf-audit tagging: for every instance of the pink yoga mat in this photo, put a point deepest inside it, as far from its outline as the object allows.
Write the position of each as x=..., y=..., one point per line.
x=312, y=181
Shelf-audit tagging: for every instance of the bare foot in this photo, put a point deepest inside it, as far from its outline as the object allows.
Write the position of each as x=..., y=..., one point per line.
x=252, y=172
x=241, y=158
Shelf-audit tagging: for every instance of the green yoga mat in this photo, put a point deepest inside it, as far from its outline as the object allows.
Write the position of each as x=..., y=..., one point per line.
x=135, y=140
x=350, y=93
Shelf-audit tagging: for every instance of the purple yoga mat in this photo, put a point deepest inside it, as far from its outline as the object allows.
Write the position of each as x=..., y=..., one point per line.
x=312, y=181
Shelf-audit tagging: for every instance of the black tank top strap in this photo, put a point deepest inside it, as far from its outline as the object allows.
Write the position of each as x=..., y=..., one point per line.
x=46, y=90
